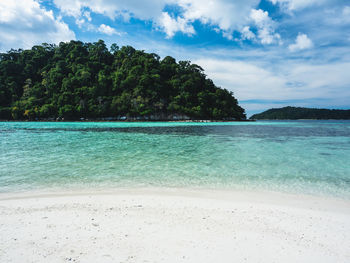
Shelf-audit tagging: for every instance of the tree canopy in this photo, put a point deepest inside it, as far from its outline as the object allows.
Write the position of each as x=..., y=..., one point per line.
x=87, y=80
x=295, y=113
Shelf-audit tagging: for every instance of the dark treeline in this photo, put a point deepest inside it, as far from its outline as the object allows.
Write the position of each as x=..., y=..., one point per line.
x=295, y=113
x=86, y=80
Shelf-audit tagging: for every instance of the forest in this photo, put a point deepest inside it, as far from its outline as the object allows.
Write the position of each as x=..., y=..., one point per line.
x=295, y=113
x=76, y=81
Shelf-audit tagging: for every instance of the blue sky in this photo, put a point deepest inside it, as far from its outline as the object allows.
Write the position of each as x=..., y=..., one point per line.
x=270, y=53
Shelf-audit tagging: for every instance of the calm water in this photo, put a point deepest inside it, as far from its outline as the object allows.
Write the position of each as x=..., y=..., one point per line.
x=296, y=156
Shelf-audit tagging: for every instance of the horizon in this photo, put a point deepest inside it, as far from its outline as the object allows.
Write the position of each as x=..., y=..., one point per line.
x=269, y=53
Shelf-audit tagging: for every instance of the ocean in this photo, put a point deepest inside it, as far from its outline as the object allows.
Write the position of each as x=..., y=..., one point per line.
x=308, y=157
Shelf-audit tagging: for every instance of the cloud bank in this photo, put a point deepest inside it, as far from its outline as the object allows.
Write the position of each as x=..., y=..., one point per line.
x=24, y=23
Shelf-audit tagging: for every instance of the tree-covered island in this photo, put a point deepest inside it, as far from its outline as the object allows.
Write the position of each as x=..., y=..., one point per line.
x=77, y=80
x=295, y=113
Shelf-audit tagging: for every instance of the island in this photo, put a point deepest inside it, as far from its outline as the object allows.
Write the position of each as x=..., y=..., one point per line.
x=79, y=81
x=296, y=113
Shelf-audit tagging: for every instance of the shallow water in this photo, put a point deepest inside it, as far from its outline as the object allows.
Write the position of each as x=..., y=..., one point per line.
x=311, y=157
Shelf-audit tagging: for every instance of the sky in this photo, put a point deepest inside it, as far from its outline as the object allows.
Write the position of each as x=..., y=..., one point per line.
x=269, y=53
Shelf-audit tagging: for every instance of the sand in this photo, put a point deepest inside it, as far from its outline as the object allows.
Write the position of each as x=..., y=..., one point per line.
x=172, y=225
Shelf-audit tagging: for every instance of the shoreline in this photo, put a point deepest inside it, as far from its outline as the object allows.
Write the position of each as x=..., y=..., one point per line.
x=172, y=225
x=301, y=200
x=91, y=120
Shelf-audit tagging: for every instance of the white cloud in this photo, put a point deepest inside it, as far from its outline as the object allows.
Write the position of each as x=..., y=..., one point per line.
x=145, y=10
x=104, y=29
x=268, y=37
x=260, y=17
x=292, y=80
x=87, y=15
x=302, y=42
x=172, y=25
x=297, y=4
x=80, y=22
x=24, y=23
x=265, y=26
x=246, y=80
x=107, y=30
x=302, y=83
x=324, y=80
x=247, y=34
x=225, y=15
x=336, y=16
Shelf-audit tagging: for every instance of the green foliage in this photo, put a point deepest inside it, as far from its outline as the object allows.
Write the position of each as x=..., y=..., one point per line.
x=5, y=113
x=295, y=113
x=76, y=79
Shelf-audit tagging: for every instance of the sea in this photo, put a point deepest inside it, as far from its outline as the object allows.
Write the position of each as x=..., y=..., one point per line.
x=303, y=157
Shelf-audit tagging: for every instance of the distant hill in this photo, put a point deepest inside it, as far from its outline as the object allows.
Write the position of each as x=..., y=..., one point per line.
x=295, y=113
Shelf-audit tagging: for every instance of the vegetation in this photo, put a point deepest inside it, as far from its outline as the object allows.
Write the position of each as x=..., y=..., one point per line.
x=294, y=113
x=86, y=80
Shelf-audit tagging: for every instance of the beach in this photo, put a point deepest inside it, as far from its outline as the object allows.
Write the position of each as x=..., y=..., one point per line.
x=175, y=192
x=172, y=225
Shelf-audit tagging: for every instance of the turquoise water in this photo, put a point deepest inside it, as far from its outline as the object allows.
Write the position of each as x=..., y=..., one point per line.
x=311, y=157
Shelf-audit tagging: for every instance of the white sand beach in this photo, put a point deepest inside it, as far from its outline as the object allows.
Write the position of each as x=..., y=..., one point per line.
x=172, y=225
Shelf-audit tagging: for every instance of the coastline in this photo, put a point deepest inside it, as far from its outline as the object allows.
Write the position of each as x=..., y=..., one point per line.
x=98, y=120
x=172, y=225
